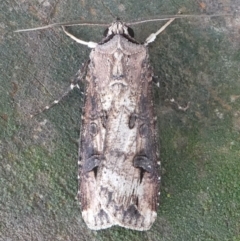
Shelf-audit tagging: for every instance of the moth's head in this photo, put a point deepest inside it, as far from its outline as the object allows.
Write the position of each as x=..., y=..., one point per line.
x=119, y=27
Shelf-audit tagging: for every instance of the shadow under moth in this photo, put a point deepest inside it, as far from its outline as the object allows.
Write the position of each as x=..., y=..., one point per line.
x=118, y=154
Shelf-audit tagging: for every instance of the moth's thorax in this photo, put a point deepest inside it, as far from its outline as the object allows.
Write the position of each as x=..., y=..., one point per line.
x=116, y=72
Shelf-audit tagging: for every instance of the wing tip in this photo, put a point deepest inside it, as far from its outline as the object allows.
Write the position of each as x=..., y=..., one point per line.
x=103, y=220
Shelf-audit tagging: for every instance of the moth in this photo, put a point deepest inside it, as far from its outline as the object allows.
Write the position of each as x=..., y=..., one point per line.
x=118, y=149
x=118, y=155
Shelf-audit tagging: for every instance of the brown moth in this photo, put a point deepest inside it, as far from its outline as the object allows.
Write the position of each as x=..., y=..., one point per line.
x=118, y=150
x=118, y=154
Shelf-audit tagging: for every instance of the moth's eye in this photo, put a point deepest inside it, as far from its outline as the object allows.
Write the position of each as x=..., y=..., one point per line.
x=105, y=32
x=130, y=31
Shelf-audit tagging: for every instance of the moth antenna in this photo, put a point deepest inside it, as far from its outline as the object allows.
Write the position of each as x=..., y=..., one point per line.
x=79, y=23
x=73, y=23
x=168, y=17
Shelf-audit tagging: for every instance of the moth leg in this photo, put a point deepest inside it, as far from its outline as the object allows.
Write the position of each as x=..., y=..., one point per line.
x=75, y=84
x=153, y=36
x=89, y=44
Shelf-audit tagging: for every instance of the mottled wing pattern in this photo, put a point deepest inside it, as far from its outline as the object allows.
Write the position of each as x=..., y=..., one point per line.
x=118, y=153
